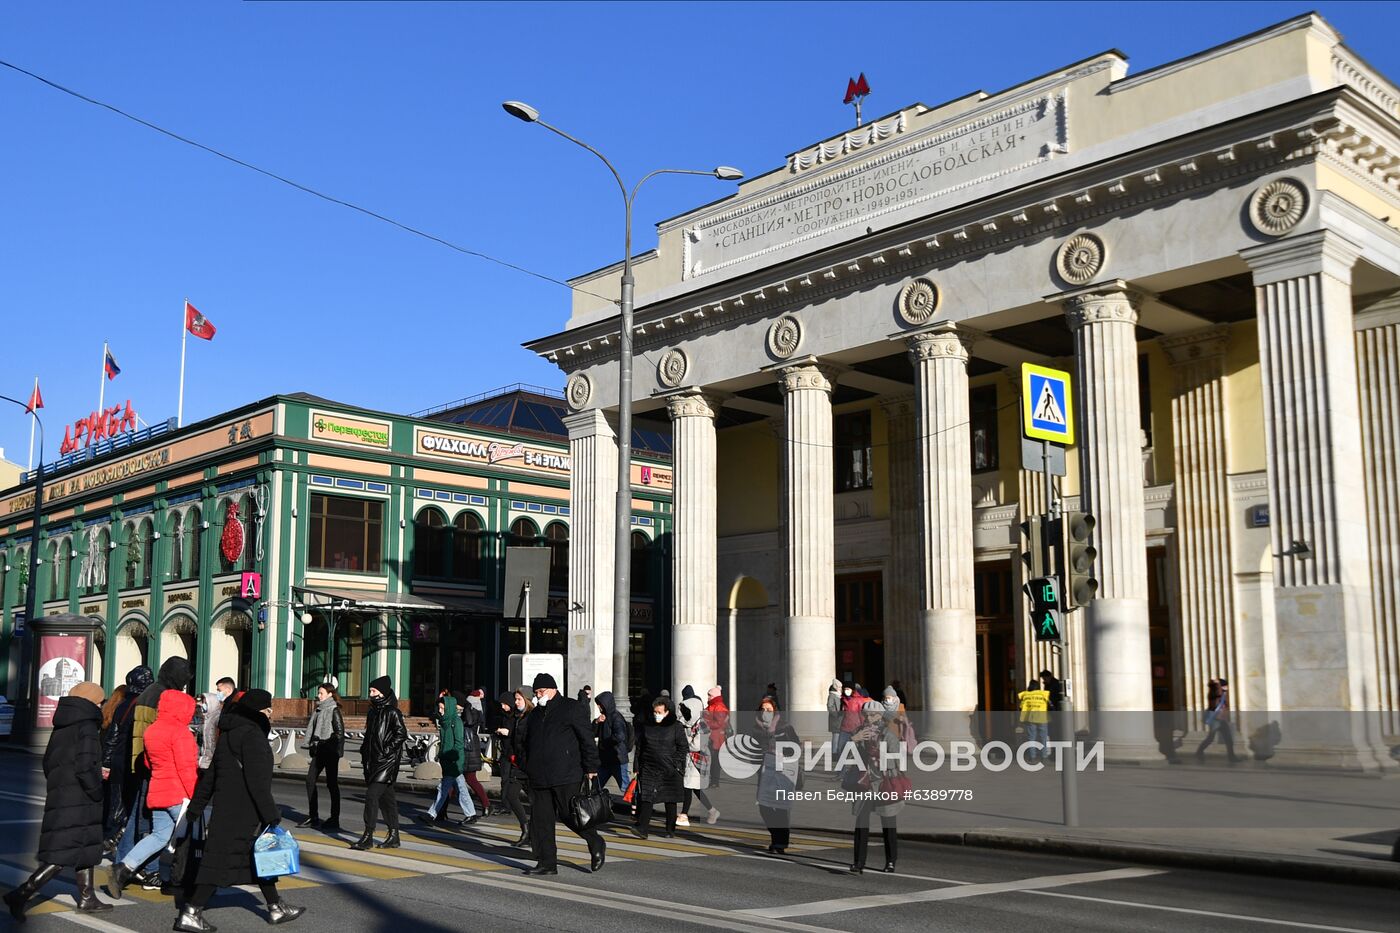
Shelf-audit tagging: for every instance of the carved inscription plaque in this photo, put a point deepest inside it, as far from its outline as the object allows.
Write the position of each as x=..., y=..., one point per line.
x=852, y=193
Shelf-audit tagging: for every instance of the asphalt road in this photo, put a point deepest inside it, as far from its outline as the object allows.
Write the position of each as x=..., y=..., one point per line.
x=710, y=878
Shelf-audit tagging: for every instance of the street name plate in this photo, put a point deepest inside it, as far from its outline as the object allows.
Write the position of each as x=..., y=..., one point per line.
x=897, y=176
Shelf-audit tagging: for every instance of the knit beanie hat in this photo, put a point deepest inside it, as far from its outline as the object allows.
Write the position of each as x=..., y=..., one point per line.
x=544, y=681
x=873, y=706
x=714, y=692
x=257, y=700
x=88, y=691
x=382, y=684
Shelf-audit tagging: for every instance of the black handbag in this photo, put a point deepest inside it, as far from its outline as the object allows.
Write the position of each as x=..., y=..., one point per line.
x=189, y=850
x=592, y=807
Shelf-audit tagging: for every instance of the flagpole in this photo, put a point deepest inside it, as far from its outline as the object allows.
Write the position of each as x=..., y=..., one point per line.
x=32, y=420
x=102, y=386
x=184, y=336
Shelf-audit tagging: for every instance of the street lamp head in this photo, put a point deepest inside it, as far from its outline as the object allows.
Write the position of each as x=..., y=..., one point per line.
x=728, y=173
x=521, y=111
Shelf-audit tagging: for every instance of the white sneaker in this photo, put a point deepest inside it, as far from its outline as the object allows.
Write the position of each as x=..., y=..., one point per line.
x=712, y=817
x=683, y=820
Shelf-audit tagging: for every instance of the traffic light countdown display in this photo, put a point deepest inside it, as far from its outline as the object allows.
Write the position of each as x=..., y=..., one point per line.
x=1045, y=608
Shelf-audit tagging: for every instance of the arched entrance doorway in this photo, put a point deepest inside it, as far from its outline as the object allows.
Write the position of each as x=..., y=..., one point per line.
x=750, y=654
x=133, y=648
x=231, y=648
x=179, y=638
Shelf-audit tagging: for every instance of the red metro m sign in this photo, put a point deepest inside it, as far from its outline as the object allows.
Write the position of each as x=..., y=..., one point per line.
x=98, y=426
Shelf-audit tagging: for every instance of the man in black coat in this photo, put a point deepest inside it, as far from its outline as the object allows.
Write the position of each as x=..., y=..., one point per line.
x=559, y=754
x=71, y=834
x=381, y=754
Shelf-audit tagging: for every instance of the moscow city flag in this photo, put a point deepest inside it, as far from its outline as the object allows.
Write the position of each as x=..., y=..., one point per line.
x=198, y=324
x=109, y=364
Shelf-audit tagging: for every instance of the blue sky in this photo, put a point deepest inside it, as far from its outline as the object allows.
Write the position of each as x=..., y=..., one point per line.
x=106, y=226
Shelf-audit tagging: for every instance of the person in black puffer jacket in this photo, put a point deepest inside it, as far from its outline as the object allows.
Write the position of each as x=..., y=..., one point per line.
x=514, y=707
x=238, y=786
x=116, y=756
x=71, y=835
x=661, y=752
x=381, y=754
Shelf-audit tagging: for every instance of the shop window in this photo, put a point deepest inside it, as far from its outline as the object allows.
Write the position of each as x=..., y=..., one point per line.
x=556, y=536
x=467, y=539
x=249, y=513
x=432, y=542
x=175, y=530
x=641, y=565
x=131, y=559
x=97, y=580
x=1145, y=400
x=346, y=534
x=194, y=532
x=851, y=447
x=983, y=409
x=524, y=533
x=58, y=588
x=21, y=569
x=148, y=550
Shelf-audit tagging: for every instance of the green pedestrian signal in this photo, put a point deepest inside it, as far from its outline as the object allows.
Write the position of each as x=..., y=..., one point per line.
x=1044, y=593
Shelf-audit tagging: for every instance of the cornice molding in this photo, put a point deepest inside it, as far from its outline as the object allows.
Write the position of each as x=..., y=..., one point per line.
x=1207, y=345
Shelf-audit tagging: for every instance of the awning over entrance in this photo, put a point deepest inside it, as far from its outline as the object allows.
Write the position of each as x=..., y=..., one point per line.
x=370, y=601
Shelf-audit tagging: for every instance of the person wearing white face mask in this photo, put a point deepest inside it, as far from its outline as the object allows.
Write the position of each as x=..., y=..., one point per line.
x=661, y=753
x=514, y=708
x=559, y=753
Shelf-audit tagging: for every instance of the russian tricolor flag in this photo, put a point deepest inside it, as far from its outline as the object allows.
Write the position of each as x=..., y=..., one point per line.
x=109, y=363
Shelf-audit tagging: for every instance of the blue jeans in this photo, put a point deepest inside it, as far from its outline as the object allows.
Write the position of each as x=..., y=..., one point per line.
x=128, y=840
x=464, y=797
x=617, y=773
x=162, y=825
x=1038, y=733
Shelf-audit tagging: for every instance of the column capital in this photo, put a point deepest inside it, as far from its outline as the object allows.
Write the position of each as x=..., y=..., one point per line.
x=591, y=422
x=1104, y=303
x=692, y=403
x=1321, y=251
x=808, y=373
x=896, y=406
x=944, y=340
x=1197, y=346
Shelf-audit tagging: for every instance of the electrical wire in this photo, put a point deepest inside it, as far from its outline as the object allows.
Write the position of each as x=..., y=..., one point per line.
x=301, y=187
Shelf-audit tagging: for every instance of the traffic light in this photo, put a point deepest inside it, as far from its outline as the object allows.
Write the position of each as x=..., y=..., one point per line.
x=1044, y=593
x=1080, y=583
x=1033, y=544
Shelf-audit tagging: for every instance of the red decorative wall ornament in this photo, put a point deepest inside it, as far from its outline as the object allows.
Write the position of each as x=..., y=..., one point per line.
x=231, y=544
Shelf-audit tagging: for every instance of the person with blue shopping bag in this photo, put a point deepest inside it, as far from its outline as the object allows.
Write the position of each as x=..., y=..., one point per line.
x=238, y=785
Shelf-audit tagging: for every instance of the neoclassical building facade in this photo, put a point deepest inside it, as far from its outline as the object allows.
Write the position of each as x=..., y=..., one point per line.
x=1211, y=247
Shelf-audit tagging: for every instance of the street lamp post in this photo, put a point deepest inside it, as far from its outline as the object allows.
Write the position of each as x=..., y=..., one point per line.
x=622, y=564
x=31, y=590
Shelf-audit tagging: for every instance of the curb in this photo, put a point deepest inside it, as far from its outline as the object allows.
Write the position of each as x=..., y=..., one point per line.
x=1382, y=874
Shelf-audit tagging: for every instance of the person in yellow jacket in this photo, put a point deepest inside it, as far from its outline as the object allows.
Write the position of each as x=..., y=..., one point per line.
x=1035, y=718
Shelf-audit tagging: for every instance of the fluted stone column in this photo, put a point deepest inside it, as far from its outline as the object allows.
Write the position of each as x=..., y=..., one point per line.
x=1378, y=364
x=693, y=542
x=1312, y=430
x=904, y=658
x=948, y=615
x=810, y=528
x=1115, y=625
x=592, y=512
x=1199, y=427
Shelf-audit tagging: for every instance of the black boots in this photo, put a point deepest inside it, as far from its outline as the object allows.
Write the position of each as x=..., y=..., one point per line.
x=524, y=836
x=861, y=843
x=283, y=913
x=191, y=920
x=392, y=842
x=891, y=847
x=364, y=842
x=121, y=877
x=87, y=897
x=21, y=895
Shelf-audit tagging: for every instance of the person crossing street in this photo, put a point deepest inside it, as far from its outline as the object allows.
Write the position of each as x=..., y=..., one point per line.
x=381, y=754
x=559, y=753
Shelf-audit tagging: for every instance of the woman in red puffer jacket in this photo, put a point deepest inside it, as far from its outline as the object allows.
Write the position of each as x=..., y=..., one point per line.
x=173, y=757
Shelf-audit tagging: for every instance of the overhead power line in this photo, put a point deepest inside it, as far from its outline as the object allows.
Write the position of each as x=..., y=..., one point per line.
x=298, y=185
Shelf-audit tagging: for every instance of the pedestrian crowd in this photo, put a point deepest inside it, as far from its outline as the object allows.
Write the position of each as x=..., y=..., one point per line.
x=175, y=789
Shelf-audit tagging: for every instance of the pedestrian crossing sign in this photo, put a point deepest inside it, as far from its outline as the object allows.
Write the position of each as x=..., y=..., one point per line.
x=1047, y=405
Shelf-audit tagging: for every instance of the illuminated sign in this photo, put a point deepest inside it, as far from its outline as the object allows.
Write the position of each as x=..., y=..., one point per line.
x=98, y=426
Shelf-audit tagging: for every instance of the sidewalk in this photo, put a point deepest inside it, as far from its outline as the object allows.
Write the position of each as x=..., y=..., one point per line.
x=1347, y=855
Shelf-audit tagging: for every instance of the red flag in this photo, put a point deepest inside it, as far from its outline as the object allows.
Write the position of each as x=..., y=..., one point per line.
x=198, y=324
x=850, y=90
x=35, y=400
